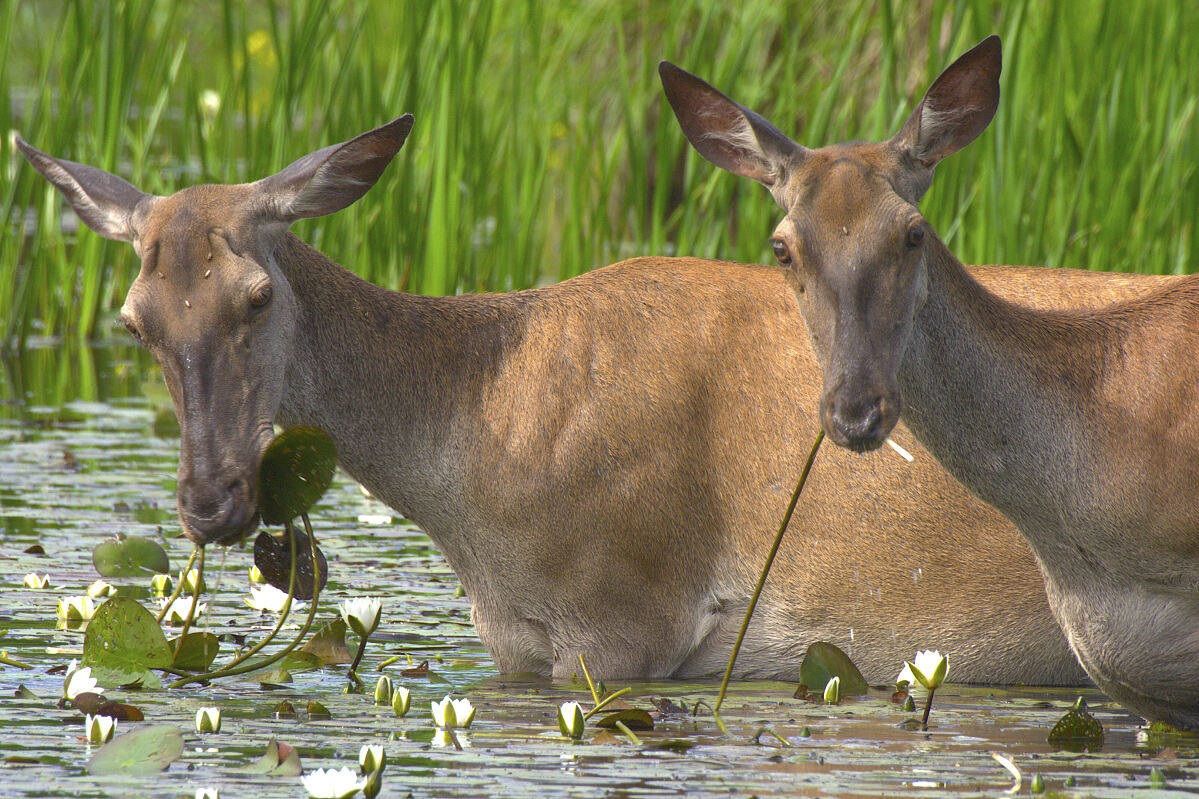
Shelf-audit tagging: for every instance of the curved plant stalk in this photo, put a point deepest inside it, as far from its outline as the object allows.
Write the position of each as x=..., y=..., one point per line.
x=191, y=612
x=753, y=603
x=598, y=702
x=239, y=664
x=628, y=733
x=196, y=549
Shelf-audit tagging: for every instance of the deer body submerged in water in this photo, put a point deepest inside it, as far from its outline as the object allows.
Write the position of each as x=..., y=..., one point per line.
x=1081, y=426
x=603, y=462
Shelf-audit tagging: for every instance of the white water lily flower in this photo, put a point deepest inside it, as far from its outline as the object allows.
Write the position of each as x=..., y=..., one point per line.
x=35, y=580
x=361, y=615
x=177, y=611
x=207, y=793
x=570, y=719
x=192, y=581
x=451, y=713
x=161, y=585
x=371, y=757
x=101, y=588
x=905, y=677
x=832, y=691
x=401, y=700
x=334, y=783
x=76, y=608
x=929, y=668
x=383, y=691
x=79, y=681
x=99, y=728
x=270, y=598
x=208, y=719
x=256, y=575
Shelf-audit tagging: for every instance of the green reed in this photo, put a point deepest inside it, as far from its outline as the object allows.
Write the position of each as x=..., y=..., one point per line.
x=543, y=148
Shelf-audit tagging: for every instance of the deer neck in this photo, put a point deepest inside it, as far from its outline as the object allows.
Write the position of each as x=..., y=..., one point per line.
x=390, y=376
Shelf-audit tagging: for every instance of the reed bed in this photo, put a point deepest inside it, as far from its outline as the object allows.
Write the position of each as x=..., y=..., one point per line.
x=543, y=147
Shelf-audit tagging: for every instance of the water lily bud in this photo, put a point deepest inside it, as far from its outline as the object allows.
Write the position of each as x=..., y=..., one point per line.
x=401, y=700
x=371, y=758
x=929, y=668
x=207, y=793
x=192, y=581
x=909, y=705
x=208, y=719
x=35, y=580
x=79, y=681
x=177, y=611
x=832, y=691
x=361, y=615
x=334, y=783
x=905, y=678
x=101, y=588
x=256, y=575
x=570, y=720
x=99, y=728
x=76, y=608
x=374, y=784
x=452, y=713
x=383, y=691
x=161, y=585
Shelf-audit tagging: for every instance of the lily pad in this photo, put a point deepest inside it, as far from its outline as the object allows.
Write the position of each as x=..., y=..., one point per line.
x=822, y=662
x=123, y=641
x=146, y=750
x=296, y=470
x=272, y=557
x=1077, y=730
x=197, y=653
x=130, y=556
x=280, y=760
x=329, y=644
x=634, y=718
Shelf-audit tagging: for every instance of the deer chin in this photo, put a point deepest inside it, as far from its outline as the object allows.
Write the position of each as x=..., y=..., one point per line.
x=232, y=530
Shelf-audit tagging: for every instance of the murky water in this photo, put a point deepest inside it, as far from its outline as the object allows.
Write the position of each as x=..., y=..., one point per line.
x=80, y=460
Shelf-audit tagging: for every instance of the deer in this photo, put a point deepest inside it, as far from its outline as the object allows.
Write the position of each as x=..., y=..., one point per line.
x=1081, y=425
x=603, y=462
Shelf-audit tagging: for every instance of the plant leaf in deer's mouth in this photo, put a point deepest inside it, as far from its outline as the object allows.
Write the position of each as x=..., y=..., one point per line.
x=296, y=470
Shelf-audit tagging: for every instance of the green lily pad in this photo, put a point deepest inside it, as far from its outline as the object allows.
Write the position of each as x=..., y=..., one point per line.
x=146, y=750
x=279, y=760
x=197, y=653
x=634, y=718
x=272, y=556
x=130, y=556
x=822, y=662
x=329, y=644
x=122, y=642
x=1077, y=730
x=296, y=470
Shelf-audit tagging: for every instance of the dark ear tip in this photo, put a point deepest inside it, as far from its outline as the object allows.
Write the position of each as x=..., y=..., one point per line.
x=666, y=68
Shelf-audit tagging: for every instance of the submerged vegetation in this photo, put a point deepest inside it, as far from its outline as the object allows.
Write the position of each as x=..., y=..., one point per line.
x=542, y=149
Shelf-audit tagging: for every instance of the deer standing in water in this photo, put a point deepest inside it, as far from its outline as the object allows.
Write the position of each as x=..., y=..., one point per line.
x=603, y=462
x=1081, y=426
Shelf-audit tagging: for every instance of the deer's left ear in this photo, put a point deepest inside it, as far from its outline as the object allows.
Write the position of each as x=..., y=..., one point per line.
x=957, y=107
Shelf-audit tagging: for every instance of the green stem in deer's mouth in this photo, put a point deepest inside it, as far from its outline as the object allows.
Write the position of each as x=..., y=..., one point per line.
x=778, y=539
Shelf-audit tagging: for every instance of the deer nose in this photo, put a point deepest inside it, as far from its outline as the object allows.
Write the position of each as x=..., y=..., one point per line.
x=216, y=510
x=857, y=425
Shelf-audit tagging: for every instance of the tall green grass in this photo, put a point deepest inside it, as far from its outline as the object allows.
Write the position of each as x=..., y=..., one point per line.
x=543, y=147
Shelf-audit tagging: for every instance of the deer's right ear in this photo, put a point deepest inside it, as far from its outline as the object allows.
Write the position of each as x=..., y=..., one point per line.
x=334, y=177
x=103, y=201
x=726, y=133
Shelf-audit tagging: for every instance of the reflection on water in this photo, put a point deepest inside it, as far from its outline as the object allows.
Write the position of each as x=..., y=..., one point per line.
x=82, y=459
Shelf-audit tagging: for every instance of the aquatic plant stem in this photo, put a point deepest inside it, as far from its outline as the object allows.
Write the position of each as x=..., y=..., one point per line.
x=191, y=612
x=7, y=661
x=628, y=733
x=587, y=675
x=778, y=539
x=928, y=705
x=178, y=588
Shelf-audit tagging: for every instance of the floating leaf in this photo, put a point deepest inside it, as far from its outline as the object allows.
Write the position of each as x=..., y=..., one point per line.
x=197, y=653
x=296, y=470
x=284, y=710
x=1077, y=730
x=634, y=718
x=120, y=711
x=24, y=693
x=130, y=556
x=280, y=760
x=417, y=671
x=273, y=559
x=122, y=642
x=146, y=750
x=329, y=644
x=318, y=712
x=822, y=662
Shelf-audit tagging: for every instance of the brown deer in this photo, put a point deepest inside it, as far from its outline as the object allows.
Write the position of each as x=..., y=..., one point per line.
x=603, y=462
x=1082, y=426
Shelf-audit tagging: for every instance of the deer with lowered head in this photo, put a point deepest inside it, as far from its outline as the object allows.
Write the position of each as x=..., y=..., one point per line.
x=1081, y=426
x=603, y=462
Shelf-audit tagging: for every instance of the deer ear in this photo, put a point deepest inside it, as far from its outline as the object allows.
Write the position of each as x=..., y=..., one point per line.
x=726, y=133
x=957, y=107
x=334, y=177
x=103, y=201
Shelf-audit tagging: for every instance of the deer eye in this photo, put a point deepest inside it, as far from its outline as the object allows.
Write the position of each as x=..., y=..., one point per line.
x=915, y=235
x=780, y=252
x=261, y=296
